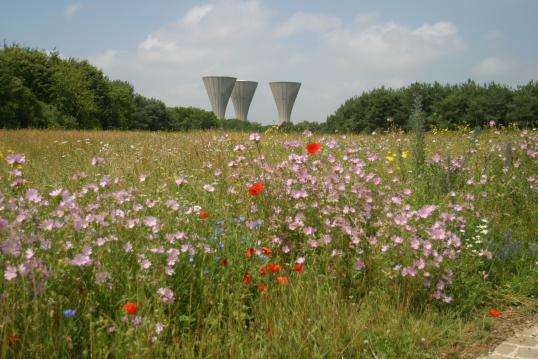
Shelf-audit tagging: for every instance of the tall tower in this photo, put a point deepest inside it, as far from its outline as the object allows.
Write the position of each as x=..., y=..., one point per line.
x=242, y=97
x=219, y=89
x=284, y=94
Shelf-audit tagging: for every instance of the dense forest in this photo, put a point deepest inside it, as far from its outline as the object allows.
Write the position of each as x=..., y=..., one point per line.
x=444, y=106
x=39, y=89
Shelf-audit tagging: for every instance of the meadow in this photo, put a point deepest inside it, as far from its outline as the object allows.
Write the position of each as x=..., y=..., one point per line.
x=229, y=245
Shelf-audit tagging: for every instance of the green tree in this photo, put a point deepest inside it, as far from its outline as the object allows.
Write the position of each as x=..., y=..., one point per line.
x=18, y=106
x=191, y=118
x=72, y=94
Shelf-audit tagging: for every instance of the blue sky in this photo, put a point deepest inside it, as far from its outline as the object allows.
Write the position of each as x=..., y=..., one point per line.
x=337, y=49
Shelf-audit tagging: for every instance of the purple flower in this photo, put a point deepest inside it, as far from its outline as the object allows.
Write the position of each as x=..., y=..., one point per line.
x=3, y=223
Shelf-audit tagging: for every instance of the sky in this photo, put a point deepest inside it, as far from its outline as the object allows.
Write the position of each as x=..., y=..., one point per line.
x=337, y=49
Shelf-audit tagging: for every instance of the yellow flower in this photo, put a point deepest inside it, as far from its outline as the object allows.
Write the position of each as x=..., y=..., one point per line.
x=404, y=154
x=390, y=157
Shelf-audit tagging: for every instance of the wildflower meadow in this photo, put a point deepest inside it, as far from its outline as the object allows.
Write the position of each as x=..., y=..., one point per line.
x=241, y=245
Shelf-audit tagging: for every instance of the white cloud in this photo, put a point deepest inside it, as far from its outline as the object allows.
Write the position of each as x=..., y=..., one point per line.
x=106, y=59
x=71, y=9
x=390, y=46
x=305, y=22
x=196, y=14
x=491, y=68
x=332, y=58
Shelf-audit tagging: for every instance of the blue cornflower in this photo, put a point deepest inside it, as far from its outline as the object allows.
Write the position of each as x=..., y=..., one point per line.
x=69, y=313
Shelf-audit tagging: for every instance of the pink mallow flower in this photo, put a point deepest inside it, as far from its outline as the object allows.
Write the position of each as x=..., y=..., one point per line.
x=167, y=295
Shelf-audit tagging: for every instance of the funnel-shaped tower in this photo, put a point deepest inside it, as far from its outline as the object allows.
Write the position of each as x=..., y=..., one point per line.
x=219, y=89
x=242, y=97
x=284, y=94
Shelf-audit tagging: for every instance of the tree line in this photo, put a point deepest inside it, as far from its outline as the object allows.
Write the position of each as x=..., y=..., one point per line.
x=443, y=106
x=39, y=89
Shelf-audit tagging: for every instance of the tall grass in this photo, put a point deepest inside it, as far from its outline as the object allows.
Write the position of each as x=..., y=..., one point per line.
x=359, y=258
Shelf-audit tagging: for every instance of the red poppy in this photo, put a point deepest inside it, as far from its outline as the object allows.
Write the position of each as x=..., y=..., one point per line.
x=495, y=313
x=130, y=308
x=313, y=148
x=246, y=279
x=263, y=271
x=267, y=251
x=256, y=189
x=298, y=268
x=262, y=287
x=203, y=215
x=250, y=252
x=282, y=280
x=13, y=338
x=81, y=291
x=224, y=262
x=274, y=268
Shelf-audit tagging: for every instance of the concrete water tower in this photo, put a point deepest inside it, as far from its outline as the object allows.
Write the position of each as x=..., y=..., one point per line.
x=284, y=94
x=242, y=97
x=219, y=89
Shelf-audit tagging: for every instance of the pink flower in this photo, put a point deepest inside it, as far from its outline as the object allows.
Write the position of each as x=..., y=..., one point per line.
x=208, y=188
x=32, y=195
x=10, y=273
x=167, y=295
x=15, y=158
x=180, y=180
x=159, y=328
x=397, y=239
x=400, y=220
x=81, y=260
x=426, y=211
x=101, y=277
x=145, y=263
x=359, y=264
x=55, y=192
x=255, y=137
x=150, y=221
x=97, y=161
